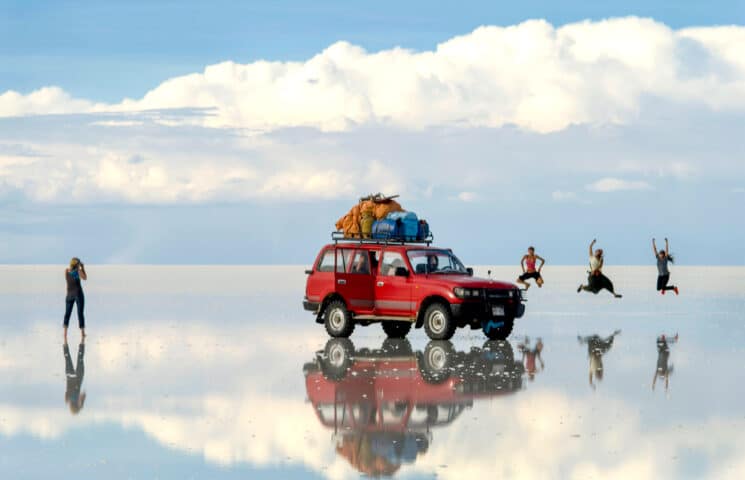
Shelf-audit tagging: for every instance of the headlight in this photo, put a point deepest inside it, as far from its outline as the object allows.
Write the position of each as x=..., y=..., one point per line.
x=461, y=292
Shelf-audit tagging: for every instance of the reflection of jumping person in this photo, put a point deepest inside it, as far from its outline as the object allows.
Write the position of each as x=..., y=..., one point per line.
x=530, y=355
x=596, y=281
x=663, y=274
x=527, y=263
x=73, y=275
x=596, y=348
x=73, y=396
x=663, y=355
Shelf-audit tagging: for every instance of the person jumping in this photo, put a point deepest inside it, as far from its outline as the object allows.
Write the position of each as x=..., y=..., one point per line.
x=527, y=263
x=596, y=281
x=663, y=257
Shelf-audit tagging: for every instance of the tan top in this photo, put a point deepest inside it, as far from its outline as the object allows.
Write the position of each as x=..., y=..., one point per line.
x=595, y=263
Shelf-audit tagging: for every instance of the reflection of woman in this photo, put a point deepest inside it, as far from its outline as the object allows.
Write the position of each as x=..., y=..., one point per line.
x=596, y=281
x=663, y=369
x=73, y=275
x=596, y=348
x=530, y=355
x=73, y=396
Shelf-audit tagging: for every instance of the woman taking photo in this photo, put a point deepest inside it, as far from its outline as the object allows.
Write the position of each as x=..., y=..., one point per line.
x=73, y=275
x=663, y=273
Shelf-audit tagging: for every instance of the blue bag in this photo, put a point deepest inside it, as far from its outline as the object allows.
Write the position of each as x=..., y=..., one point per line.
x=423, y=232
x=385, y=229
x=409, y=224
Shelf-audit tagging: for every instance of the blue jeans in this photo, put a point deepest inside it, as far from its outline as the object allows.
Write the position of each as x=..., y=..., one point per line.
x=69, y=301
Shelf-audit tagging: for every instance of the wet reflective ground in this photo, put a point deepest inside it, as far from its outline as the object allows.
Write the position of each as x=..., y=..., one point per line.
x=216, y=372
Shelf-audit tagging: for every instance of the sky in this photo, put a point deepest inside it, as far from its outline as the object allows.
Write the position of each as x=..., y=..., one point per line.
x=180, y=132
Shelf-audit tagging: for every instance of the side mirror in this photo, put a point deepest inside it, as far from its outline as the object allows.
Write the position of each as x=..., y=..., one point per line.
x=470, y=271
x=308, y=272
x=402, y=272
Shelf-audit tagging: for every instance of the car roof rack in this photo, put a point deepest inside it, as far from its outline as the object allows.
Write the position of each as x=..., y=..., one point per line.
x=339, y=237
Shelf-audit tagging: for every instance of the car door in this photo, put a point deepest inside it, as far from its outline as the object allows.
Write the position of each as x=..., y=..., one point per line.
x=354, y=279
x=393, y=293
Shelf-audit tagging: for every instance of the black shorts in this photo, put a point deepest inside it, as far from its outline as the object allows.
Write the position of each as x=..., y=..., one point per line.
x=534, y=275
x=662, y=281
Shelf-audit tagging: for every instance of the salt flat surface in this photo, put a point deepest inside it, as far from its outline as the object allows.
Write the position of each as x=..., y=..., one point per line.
x=213, y=372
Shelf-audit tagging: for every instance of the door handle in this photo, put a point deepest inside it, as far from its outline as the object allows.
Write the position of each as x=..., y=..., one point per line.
x=380, y=284
x=341, y=281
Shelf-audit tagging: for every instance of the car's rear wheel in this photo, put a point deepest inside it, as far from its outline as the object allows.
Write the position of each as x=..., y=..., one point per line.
x=498, y=328
x=436, y=361
x=438, y=322
x=396, y=329
x=337, y=358
x=338, y=320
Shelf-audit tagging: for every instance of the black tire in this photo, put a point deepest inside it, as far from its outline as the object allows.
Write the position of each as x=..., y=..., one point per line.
x=396, y=329
x=399, y=347
x=436, y=363
x=337, y=320
x=498, y=328
x=438, y=322
x=337, y=358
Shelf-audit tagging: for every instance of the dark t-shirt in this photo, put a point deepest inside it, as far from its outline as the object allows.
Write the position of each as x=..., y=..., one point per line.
x=73, y=284
x=662, y=266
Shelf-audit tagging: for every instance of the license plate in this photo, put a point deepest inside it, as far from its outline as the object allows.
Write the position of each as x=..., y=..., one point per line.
x=497, y=310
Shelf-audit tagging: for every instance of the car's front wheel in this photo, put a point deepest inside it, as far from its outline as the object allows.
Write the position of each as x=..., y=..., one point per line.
x=438, y=322
x=337, y=358
x=436, y=362
x=396, y=329
x=338, y=320
x=498, y=328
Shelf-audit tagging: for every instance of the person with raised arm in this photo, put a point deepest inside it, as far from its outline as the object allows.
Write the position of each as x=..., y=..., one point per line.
x=664, y=368
x=663, y=273
x=596, y=281
x=73, y=275
x=527, y=263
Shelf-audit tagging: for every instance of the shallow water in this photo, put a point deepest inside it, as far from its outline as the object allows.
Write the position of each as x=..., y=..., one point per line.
x=194, y=372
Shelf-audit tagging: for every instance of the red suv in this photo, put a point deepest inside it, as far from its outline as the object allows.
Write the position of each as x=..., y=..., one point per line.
x=359, y=282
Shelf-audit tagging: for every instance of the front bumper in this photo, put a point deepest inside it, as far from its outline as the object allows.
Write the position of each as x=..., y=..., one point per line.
x=482, y=310
x=310, y=306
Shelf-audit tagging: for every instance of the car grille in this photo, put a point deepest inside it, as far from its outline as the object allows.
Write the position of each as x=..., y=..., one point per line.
x=494, y=294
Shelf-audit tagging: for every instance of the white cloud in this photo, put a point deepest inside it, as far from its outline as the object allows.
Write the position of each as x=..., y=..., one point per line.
x=610, y=184
x=46, y=100
x=562, y=196
x=537, y=76
x=466, y=196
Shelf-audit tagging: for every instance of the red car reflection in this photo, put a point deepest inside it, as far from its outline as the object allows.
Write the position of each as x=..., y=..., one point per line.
x=383, y=403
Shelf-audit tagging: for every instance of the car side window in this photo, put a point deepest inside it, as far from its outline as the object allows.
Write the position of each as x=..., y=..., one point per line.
x=326, y=264
x=361, y=263
x=343, y=258
x=391, y=261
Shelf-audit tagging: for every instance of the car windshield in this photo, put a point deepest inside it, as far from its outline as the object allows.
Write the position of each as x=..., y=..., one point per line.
x=435, y=261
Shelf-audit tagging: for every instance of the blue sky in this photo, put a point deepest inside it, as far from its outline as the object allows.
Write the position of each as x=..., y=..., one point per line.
x=109, y=50
x=190, y=133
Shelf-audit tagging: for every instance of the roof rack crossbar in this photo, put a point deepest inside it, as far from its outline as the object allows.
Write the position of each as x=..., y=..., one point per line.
x=338, y=237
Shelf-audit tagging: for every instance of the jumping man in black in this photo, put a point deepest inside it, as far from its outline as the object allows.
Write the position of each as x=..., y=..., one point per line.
x=596, y=281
